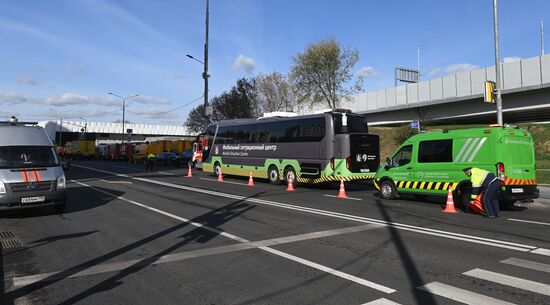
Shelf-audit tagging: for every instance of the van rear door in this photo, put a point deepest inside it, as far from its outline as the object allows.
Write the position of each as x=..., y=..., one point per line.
x=517, y=151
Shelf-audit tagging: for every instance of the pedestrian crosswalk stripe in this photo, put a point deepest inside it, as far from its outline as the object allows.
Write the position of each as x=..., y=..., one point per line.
x=461, y=295
x=382, y=301
x=508, y=280
x=527, y=264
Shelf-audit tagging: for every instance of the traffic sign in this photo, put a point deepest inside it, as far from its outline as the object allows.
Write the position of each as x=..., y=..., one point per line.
x=414, y=124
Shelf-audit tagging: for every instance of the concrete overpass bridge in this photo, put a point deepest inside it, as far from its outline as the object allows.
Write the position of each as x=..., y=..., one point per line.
x=458, y=98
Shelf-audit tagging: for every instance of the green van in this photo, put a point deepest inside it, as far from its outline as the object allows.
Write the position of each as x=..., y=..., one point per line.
x=430, y=163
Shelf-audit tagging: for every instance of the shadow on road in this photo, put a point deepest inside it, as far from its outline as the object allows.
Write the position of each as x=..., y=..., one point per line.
x=212, y=220
x=415, y=279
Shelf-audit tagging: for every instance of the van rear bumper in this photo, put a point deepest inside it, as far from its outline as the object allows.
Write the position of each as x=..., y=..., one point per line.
x=13, y=202
x=519, y=192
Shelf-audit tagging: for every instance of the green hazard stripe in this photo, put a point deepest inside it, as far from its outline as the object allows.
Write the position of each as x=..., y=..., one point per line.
x=426, y=185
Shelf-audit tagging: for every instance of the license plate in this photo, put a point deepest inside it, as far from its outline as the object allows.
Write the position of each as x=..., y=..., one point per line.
x=517, y=190
x=33, y=199
x=365, y=170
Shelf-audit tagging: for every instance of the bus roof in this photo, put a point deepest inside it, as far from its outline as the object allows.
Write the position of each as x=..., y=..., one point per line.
x=276, y=118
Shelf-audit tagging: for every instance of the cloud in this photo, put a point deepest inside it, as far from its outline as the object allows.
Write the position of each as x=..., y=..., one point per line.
x=511, y=59
x=143, y=99
x=433, y=71
x=64, y=100
x=457, y=68
x=27, y=80
x=365, y=72
x=244, y=63
x=75, y=113
x=75, y=69
x=12, y=98
x=156, y=114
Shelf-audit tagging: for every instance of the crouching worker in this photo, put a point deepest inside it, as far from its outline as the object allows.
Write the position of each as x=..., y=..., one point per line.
x=486, y=183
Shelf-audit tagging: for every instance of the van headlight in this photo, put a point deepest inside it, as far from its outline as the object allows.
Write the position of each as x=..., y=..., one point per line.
x=2, y=188
x=61, y=182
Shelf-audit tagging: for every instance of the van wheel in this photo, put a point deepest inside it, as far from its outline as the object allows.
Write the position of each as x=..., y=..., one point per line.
x=217, y=168
x=463, y=198
x=273, y=175
x=60, y=208
x=506, y=204
x=387, y=190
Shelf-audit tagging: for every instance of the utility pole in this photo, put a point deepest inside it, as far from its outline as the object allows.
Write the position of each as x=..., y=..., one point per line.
x=205, y=73
x=497, y=65
x=542, y=38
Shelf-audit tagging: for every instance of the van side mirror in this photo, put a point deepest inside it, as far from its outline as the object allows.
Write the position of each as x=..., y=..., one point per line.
x=388, y=162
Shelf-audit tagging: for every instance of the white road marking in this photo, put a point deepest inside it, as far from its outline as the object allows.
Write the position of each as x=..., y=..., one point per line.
x=433, y=232
x=527, y=264
x=350, y=198
x=511, y=281
x=165, y=173
x=225, y=181
x=530, y=221
x=330, y=270
x=461, y=295
x=242, y=240
x=382, y=301
x=116, y=182
x=112, y=267
x=541, y=251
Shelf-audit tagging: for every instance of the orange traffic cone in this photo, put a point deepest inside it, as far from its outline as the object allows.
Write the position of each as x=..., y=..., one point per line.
x=250, y=180
x=342, y=191
x=220, y=177
x=290, y=187
x=189, y=172
x=450, y=206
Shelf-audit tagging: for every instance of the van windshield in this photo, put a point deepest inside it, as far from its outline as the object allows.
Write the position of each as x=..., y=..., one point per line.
x=27, y=156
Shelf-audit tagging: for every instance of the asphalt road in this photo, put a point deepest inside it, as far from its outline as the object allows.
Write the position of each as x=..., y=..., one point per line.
x=135, y=237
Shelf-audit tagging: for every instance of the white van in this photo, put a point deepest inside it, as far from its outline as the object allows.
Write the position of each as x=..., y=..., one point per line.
x=30, y=171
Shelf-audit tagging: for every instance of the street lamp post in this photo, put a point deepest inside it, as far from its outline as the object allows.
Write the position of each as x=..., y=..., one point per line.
x=497, y=65
x=205, y=73
x=123, y=110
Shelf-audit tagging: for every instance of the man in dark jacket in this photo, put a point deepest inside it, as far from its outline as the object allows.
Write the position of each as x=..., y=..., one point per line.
x=486, y=183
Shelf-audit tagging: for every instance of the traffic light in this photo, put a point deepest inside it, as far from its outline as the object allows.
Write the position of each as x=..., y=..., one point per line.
x=490, y=91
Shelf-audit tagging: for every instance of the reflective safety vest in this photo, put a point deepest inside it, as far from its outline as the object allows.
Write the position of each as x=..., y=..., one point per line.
x=150, y=156
x=478, y=177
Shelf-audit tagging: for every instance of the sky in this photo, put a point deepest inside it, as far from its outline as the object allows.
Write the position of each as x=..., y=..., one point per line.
x=63, y=57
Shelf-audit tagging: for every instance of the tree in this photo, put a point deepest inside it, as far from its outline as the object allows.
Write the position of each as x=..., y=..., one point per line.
x=238, y=103
x=196, y=119
x=320, y=74
x=274, y=93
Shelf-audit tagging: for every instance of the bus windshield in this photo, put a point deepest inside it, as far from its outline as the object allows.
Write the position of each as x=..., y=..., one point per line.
x=27, y=156
x=356, y=123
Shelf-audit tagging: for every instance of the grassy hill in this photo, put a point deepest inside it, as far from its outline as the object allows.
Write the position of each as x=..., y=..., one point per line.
x=392, y=137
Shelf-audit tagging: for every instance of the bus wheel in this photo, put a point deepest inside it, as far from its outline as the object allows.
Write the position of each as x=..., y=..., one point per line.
x=387, y=190
x=273, y=175
x=290, y=173
x=217, y=168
